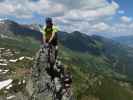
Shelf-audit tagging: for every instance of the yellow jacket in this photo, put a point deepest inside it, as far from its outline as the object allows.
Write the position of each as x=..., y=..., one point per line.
x=46, y=35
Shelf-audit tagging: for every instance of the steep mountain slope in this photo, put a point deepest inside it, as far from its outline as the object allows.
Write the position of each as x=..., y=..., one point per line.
x=10, y=29
x=120, y=56
x=91, y=74
x=80, y=42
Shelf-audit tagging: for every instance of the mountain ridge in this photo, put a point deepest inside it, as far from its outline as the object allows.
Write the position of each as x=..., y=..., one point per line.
x=97, y=71
x=126, y=40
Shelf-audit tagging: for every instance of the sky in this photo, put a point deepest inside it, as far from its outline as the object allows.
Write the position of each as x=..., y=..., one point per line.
x=108, y=18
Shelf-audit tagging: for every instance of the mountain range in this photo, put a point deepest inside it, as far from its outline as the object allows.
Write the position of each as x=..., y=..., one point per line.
x=126, y=40
x=100, y=66
x=11, y=29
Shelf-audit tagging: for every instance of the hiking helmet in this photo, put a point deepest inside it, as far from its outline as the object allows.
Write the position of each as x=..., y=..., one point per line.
x=48, y=20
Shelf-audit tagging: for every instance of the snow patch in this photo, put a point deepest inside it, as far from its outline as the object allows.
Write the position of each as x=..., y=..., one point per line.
x=10, y=97
x=29, y=58
x=5, y=83
x=3, y=64
x=24, y=81
x=8, y=87
x=2, y=48
x=19, y=83
x=13, y=60
x=3, y=60
x=1, y=70
x=21, y=58
x=5, y=71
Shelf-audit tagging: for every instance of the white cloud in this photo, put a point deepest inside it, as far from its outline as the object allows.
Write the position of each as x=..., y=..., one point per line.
x=101, y=27
x=122, y=29
x=25, y=8
x=126, y=19
x=103, y=9
x=76, y=8
x=84, y=15
x=6, y=8
x=81, y=19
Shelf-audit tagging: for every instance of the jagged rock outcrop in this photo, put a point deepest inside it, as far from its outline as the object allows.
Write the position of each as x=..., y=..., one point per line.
x=49, y=80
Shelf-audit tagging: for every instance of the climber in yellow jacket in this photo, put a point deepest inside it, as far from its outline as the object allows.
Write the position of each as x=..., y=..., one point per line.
x=49, y=35
x=50, y=32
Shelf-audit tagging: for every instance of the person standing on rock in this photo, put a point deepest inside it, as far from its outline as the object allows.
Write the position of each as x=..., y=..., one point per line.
x=49, y=33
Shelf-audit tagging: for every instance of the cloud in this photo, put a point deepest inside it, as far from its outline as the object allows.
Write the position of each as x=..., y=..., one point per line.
x=87, y=13
x=101, y=27
x=126, y=19
x=122, y=29
x=112, y=29
x=81, y=4
x=88, y=16
x=91, y=10
x=25, y=8
x=14, y=8
x=55, y=8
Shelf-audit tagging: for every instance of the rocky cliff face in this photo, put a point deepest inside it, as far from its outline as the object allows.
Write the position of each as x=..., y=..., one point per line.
x=11, y=29
x=49, y=81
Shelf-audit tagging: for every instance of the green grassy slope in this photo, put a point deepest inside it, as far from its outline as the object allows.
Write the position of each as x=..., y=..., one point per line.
x=92, y=74
x=93, y=77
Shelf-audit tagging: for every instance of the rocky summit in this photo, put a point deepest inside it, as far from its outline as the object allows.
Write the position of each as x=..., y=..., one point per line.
x=49, y=80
